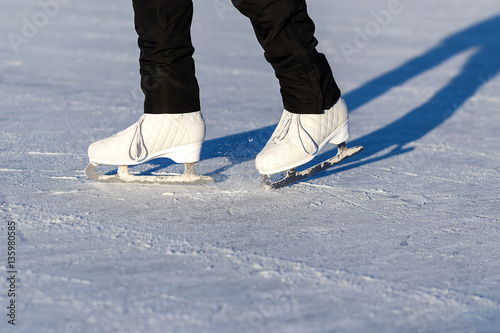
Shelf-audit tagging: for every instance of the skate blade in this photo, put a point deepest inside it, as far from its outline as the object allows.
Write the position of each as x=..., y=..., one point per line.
x=293, y=176
x=123, y=176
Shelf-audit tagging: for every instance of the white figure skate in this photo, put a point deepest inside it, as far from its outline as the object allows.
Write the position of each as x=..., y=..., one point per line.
x=298, y=138
x=178, y=137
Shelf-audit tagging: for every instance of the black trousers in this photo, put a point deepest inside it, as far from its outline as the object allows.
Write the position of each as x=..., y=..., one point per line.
x=283, y=28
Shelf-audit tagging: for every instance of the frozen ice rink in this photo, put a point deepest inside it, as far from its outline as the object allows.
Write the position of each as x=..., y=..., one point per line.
x=403, y=237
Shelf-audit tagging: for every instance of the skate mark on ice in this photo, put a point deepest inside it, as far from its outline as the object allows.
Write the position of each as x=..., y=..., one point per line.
x=65, y=192
x=327, y=189
x=65, y=178
x=49, y=153
x=413, y=199
x=57, y=279
x=12, y=170
x=394, y=172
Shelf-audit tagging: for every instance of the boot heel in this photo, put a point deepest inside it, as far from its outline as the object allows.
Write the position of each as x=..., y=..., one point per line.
x=184, y=154
x=341, y=134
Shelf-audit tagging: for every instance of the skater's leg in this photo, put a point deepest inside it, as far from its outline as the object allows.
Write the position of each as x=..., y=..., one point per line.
x=298, y=138
x=167, y=66
x=314, y=112
x=286, y=32
x=172, y=125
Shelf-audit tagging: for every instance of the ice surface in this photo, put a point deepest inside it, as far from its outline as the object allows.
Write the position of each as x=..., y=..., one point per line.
x=404, y=237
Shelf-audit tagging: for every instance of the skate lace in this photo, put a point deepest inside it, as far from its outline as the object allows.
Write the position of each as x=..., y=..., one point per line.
x=140, y=152
x=283, y=127
x=302, y=133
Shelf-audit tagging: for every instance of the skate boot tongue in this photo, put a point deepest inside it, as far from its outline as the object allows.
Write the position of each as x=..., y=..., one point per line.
x=292, y=122
x=308, y=144
x=138, y=150
x=284, y=124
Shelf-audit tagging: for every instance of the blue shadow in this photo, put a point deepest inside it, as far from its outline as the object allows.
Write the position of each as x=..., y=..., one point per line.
x=483, y=64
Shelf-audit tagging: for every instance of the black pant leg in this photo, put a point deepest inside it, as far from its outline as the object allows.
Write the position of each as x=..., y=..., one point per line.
x=286, y=33
x=166, y=63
